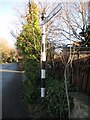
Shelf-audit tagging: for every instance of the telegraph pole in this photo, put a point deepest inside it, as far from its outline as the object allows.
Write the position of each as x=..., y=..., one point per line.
x=43, y=57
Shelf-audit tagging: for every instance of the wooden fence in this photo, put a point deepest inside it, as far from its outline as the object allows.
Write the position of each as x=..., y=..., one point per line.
x=80, y=73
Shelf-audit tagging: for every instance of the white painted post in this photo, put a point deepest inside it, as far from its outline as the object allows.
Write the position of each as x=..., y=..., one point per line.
x=43, y=58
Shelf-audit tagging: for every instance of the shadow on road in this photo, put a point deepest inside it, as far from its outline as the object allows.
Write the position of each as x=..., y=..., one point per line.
x=12, y=103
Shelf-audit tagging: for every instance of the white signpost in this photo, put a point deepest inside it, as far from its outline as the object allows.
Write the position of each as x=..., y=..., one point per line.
x=43, y=50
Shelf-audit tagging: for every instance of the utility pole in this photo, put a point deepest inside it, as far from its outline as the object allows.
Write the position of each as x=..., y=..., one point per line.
x=43, y=50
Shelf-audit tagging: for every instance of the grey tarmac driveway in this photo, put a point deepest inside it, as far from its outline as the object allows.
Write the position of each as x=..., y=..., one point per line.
x=12, y=104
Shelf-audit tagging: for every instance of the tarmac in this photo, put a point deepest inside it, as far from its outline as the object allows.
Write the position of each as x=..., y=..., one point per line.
x=13, y=106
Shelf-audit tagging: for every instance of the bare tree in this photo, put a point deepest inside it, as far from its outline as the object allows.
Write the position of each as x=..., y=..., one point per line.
x=70, y=28
x=73, y=18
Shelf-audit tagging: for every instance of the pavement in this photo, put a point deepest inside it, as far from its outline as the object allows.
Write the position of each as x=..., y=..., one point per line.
x=81, y=106
x=85, y=99
x=12, y=103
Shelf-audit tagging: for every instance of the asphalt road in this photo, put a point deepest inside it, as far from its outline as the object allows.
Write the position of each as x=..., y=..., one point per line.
x=12, y=104
x=0, y=93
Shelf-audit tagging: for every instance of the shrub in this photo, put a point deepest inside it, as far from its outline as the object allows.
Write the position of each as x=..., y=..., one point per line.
x=54, y=105
x=31, y=84
x=56, y=101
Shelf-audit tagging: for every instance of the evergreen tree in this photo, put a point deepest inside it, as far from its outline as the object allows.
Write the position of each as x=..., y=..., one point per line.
x=29, y=40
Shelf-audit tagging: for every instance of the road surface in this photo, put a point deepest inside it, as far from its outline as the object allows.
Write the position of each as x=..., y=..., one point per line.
x=12, y=104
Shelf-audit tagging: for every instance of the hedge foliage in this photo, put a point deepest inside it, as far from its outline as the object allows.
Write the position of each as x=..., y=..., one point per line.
x=54, y=105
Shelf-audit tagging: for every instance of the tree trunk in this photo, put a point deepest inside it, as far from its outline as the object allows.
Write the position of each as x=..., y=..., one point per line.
x=66, y=90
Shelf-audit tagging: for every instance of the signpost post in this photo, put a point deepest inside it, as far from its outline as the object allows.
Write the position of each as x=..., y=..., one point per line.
x=43, y=50
x=43, y=58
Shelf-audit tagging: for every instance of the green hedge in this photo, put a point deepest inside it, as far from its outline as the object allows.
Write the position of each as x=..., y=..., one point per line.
x=54, y=105
x=31, y=84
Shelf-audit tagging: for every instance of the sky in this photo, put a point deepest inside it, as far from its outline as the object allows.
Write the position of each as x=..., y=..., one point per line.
x=7, y=16
x=7, y=12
